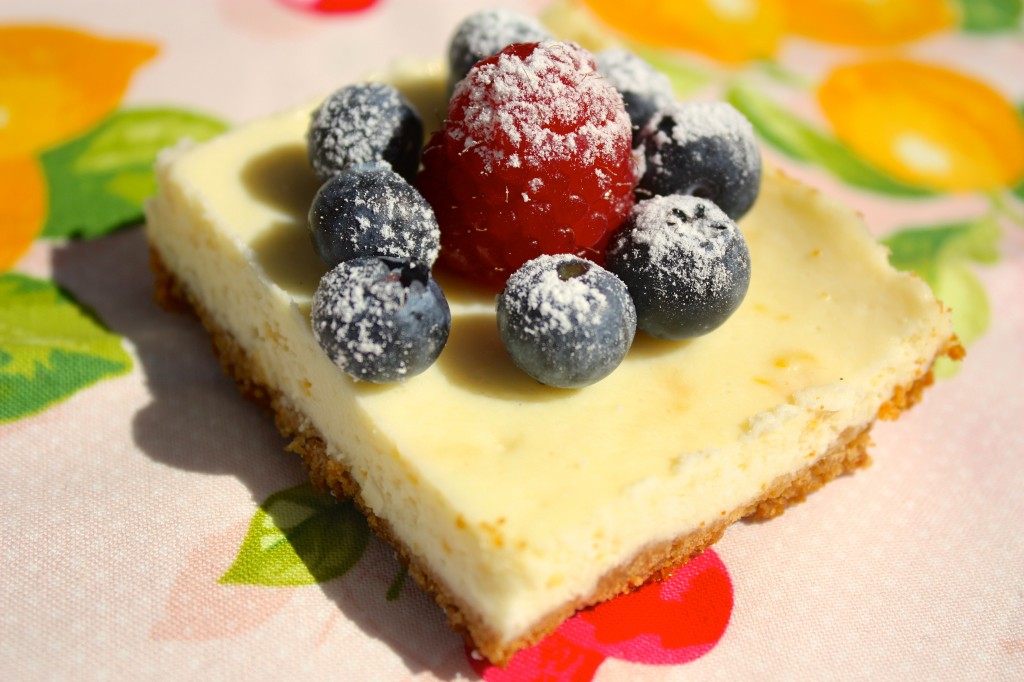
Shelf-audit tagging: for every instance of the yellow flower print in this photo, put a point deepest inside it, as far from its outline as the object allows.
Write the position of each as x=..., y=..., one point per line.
x=926, y=125
x=730, y=31
x=55, y=83
x=868, y=22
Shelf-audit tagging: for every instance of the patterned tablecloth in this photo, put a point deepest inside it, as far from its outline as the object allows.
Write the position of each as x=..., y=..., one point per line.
x=139, y=496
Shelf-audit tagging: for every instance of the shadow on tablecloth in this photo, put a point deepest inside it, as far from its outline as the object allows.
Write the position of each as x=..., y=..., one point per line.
x=197, y=422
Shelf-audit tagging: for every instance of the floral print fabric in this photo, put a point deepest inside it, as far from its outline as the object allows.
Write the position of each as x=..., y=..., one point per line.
x=152, y=527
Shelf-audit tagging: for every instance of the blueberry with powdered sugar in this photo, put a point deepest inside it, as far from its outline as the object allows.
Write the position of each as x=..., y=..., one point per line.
x=369, y=210
x=380, y=319
x=685, y=263
x=362, y=123
x=534, y=157
x=487, y=33
x=644, y=89
x=565, y=321
x=706, y=149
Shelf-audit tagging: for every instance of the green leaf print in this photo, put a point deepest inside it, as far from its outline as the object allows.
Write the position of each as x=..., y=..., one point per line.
x=99, y=181
x=395, y=589
x=50, y=347
x=299, y=537
x=925, y=249
x=1018, y=191
x=798, y=140
x=988, y=16
x=942, y=256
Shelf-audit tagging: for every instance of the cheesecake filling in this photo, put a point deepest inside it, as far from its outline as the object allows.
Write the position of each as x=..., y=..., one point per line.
x=520, y=497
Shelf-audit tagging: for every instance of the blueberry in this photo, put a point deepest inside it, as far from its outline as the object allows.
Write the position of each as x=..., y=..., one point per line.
x=369, y=210
x=706, y=149
x=644, y=89
x=565, y=321
x=361, y=123
x=380, y=319
x=685, y=263
x=487, y=33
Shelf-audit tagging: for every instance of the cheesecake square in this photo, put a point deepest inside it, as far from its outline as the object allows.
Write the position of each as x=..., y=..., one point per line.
x=515, y=503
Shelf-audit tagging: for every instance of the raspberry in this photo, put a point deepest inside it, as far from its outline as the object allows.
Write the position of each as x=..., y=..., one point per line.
x=533, y=159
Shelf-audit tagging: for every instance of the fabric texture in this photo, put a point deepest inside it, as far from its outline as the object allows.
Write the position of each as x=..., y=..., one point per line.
x=152, y=526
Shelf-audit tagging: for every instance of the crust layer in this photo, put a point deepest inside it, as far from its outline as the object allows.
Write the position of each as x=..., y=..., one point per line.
x=656, y=561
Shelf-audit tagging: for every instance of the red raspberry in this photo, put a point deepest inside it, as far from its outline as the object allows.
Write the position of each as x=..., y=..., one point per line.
x=534, y=158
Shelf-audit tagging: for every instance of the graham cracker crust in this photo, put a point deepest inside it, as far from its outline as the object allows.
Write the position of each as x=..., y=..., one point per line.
x=653, y=563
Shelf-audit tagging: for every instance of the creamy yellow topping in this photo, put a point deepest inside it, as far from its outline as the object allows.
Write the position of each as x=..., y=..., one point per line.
x=521, y=496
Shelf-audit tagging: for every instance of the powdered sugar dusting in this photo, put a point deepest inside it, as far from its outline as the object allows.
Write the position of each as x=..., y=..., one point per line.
x=709, y=119
x=685, y=262
x=686, y=225
x=565, y=320
x=393, y=213
x=562, y=304
x=368, y=210
x=684, y=123
x=351, y=309
x=534, y=157
x=487, y=32
x=380, y=320
x=703, y=148
x=547, y=104
x=359, y=124
x=625, y=71
x=644, y=89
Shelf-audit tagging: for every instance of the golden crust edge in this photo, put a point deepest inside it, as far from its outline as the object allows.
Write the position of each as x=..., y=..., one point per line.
x=653, y=563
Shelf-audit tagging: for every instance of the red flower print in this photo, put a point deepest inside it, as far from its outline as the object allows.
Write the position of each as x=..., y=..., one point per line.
x=670, y=622
x=330, y=6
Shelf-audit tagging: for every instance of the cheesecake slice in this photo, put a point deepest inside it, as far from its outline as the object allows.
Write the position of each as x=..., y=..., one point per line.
x=516, y=503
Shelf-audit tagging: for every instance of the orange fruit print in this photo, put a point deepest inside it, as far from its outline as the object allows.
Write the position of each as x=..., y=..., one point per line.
x=55, y=83
x=23, y=198
x=868, y=22
x=671, y=622
x=926, y=125
x=730, y=31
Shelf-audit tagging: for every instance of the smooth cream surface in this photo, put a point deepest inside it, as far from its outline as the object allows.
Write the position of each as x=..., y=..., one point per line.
x=518, y=496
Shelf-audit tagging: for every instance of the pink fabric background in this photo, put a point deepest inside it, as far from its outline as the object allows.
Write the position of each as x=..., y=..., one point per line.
x=121, y=506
